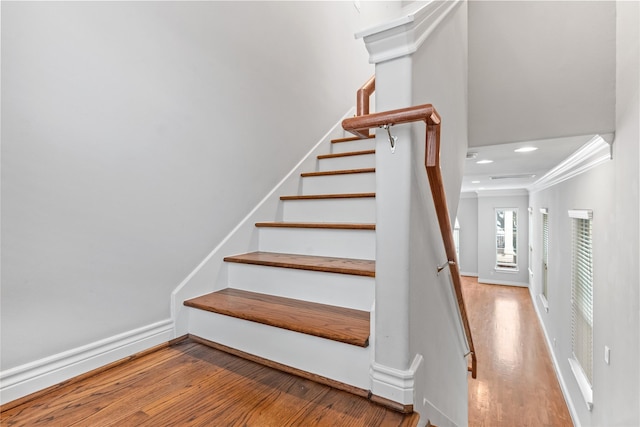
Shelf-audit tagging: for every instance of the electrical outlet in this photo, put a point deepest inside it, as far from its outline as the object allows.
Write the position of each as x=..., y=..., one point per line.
x=607, y=355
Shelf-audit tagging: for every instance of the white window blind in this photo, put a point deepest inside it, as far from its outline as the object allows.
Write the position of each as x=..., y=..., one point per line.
x=582, y=291
x=545, y=254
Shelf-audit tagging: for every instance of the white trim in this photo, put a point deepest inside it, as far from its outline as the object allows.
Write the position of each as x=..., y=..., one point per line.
x=403, y=36
x=596, y=151
x=469, y=195
x=465, y=273
x=439, y=422
x=556, y=367
x=502, y=282
x=394, y=384
x=34, y=376
x=209, y=267
x=513, y=270
x=581, y=213
x=583, y=382
x=503, y=193
x=544, y=302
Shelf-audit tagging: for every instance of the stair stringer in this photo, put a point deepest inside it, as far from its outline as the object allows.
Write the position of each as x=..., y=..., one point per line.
x=211, y=273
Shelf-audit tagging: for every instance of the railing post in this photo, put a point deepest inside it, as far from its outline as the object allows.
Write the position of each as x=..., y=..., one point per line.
x=363, y=97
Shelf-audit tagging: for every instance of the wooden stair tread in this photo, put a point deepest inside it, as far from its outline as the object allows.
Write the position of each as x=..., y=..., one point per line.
x=338, y=172
x=357, y=267
x=325, y=225
x=350, y=138
x=336, y=323
x=328, y=196
x=350, y=153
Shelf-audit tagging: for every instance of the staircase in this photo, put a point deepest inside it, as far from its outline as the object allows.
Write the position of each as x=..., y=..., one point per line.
x=303, y=301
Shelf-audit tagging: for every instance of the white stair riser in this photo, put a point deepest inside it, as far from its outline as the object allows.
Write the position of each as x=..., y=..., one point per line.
x=360, y=161
x=343, y=290
x=348, y=147
x=339, y=184
x=359, y=244
x=342, y=362
x=361, y=209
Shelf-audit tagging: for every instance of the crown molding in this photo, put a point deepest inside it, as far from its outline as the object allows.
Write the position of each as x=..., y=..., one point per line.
x=404, y=35
x=511, y=192
x=590, y=155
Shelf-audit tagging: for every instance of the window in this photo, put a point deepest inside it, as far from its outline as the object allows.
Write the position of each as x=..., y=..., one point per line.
x=582, y=302
x=507, y=239
x=545, y=254
x=456, y=238
x=530, y=260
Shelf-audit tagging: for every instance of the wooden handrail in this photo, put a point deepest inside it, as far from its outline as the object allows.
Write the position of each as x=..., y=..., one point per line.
x=362, y=103
x=428, y=114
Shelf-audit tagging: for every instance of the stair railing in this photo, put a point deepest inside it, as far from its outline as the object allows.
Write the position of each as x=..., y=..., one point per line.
x=428, y=114
x=362, y=104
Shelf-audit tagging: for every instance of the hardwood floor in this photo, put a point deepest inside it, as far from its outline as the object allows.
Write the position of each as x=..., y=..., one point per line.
x=190, y=384
x=516, y=384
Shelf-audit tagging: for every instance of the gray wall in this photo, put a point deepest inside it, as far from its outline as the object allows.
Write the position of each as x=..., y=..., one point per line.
x=532, y=84
x=611, y=191
x=468, y=220
x=440, y=78
x=136, y=135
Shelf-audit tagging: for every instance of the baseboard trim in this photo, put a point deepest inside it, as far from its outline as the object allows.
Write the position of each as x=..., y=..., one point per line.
x=464, y=273
x=394, y=384
x=556, y=366
x=440, y=417
x=502, y=282
x=25, y=381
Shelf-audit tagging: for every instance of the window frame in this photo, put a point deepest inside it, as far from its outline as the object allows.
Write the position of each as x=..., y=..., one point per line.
x=544, y=257
x=582, y=283
x=502, y=267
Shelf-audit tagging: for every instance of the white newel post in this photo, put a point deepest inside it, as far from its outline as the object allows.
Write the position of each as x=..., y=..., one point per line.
x=391, y=47
x=393, y=184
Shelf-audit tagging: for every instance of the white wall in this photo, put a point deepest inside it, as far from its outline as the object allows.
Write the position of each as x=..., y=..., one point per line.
x=488, y=202
x=611, y=191
x=534, y=59
x=468, y=220
x=439, y=76
x=136, y=136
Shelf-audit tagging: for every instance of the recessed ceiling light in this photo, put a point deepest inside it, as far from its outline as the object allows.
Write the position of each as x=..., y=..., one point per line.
x=475, y=182
x=525, y=149
x=484, y=162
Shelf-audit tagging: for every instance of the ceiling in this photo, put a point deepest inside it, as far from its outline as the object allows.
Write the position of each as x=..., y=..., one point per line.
x=517, y=170
x=540, y=72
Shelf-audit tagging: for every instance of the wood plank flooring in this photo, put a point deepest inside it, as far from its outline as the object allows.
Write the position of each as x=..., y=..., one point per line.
x=516, y=384
x=189, y=384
